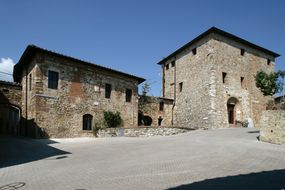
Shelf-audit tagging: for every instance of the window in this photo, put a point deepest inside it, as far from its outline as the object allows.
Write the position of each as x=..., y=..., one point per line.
x=268, y=61
x=242, y=52
x=194, y=51
x=87, y=122
x=160, y=120
x=108, y=89
x=224, y=77
x=161, y=106
x=128, y=95
x=241, y=81
x=52, y=79
x=167, y=66
x=180, y=86
x=30, y=82
x=173, y=64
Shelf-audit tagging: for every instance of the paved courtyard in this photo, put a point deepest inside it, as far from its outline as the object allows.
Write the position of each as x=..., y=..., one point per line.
x=213, y=159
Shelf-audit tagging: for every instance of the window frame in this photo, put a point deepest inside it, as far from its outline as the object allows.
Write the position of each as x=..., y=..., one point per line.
x=129, y=94
x=108, y=91
x=242, y=52
x=242, y=82
x=161, y=106
x=167, y=66
x=87, y=120
x=52, y=83
x=180, y=86
x=194, y=51
x=224, y=76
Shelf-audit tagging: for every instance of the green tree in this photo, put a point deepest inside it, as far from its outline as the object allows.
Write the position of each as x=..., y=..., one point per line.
x=270, y=83
x=144, y=98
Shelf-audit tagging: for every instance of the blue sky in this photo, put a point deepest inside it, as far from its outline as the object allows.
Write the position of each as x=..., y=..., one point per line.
x=132, y=36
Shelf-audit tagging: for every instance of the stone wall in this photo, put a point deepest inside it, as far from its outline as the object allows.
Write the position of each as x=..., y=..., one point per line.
x=81, y=90
x=272, y=126
x=10, y=107
x=152, y=109
x=140, y=132
x=11, y=93
x=202, y=102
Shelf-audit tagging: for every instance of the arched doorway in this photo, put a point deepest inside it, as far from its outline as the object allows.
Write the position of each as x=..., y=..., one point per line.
x=233, y=110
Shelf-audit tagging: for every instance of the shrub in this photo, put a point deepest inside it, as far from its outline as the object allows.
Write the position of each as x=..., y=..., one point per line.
x=97, y=127
x=112, y=119
x=245, y=124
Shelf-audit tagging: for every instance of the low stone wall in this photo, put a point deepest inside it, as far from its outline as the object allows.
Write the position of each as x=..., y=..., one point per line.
x=140, y=132
x=272, y=126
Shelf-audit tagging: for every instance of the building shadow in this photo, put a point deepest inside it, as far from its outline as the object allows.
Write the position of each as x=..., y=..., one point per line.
x=20, y=150
x=266, y=180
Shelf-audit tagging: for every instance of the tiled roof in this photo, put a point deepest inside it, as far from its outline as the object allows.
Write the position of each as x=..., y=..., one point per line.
x=32, y=49
x=223, y=33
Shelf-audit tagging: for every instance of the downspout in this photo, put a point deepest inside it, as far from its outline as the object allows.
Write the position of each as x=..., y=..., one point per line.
x=174, y=94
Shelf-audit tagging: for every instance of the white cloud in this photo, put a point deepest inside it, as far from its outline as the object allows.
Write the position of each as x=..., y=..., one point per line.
x=6, y=66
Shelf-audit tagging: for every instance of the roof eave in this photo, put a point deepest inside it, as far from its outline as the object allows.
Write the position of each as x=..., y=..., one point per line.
x=221, y=32
x=32, y=49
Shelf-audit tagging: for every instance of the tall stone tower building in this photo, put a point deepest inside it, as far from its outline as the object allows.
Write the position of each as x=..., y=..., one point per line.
x=211, y=80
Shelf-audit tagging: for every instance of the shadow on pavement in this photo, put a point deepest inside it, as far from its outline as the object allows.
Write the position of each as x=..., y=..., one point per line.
x=19, y=150
x=253, y=131
x=267, y=180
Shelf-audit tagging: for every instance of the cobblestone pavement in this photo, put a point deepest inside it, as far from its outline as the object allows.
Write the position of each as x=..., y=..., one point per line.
x=212, y=159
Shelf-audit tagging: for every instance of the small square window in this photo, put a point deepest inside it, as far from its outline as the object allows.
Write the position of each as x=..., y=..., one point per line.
x=167, y=66
x=128, y=95
x=173, y=64
x=268, y=61
x=108, y=88
x=242, y=82
x=194, y=51
x=224, y=77
x=52, y=79
x=161, y=106
x=180, y=86
x=242, y=51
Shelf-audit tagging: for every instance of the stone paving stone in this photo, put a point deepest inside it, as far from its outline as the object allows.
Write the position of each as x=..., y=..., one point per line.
x=198, y=159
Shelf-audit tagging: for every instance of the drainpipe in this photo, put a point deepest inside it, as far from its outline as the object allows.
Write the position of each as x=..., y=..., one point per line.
x=174, y=93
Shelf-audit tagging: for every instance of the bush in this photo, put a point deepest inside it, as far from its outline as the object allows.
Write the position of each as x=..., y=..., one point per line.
x=112, y=119
x=97, y=127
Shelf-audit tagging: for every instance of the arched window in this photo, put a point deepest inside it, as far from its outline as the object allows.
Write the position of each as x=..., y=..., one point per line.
x=87, y=122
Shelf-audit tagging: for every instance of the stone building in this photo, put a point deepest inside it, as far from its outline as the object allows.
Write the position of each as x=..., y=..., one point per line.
x=64, y=96
x=158, y=109
x=211, y=80
x=10, y=107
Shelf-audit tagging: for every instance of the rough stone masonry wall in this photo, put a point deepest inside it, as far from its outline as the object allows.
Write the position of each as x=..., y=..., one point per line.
x=10, y=102
x=227, y=58
x=80, y=91
x=192, y=103
x=272, y=126
x=29, y=126
x=152, y=110
x=140, y=132
x=203, y=100
x=11, y=93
